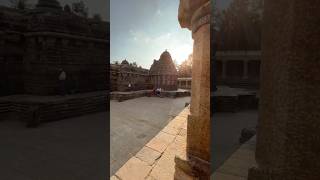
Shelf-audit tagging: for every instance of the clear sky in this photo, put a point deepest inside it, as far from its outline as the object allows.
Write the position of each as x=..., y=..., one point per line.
x=101, y=7
x=142, y=29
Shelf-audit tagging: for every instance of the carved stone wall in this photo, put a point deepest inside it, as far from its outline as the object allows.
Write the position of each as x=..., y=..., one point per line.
x=124, y=74
x=41, y=41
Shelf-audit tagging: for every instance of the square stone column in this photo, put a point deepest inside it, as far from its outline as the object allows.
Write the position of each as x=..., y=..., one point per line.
x=245, y=69
x=288, y=133
x=224, y=69
x=195, y=15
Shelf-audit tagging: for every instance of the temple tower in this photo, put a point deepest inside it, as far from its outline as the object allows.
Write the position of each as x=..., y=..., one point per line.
x=164, y=73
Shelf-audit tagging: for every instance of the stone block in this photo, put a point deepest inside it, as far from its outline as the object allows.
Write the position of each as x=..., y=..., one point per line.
x=134, y=169
x=221, y=176
x=148, y=155
x=160, y=142
x=170, y=130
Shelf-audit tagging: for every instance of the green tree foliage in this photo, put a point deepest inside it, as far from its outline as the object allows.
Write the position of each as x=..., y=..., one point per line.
x=239, y=26
x=67, y=8
x=185, y=68
x=97, y=17
x=19, y=4
x=80, y=8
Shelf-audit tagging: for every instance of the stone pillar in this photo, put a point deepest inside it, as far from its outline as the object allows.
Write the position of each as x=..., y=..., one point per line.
x=245, y=69
x=224, y=69
x=195, y=15
x=288, y=133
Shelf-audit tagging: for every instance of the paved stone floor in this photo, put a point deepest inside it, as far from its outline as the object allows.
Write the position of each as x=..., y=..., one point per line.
x=134, y=122
x=238, y=164
x=226, y=133
x=155, y=161
x=70, y=149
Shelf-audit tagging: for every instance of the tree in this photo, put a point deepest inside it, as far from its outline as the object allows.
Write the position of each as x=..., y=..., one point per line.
x=80, y=8
x=239, y=26
x=97, y=17
x=134, y=64
x=19, y=4
x=67, y=8
x=185, y=68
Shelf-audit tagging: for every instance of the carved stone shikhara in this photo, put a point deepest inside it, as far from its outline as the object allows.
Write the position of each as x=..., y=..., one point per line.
x=195, y=15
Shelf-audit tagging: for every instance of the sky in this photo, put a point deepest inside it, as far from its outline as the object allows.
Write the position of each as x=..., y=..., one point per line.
x=142, y=29
x=101, y=7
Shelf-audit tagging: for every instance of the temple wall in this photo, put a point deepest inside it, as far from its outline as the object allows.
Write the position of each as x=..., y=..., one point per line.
x=39, y=45
x=11, y=60
x=121, y=77
x=84, y=62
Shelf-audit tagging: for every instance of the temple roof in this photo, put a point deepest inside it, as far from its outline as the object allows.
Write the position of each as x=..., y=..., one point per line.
x=48, y=4
x=163, y=66
x=125, y=62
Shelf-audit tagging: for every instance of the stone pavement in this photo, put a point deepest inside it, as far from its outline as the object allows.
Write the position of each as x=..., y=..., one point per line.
x=238, y=165
x=226, y=131
x=135, y=122
x=155, y=161
x=70, y=149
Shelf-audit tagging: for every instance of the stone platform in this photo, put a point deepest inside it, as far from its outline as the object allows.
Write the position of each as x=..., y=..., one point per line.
x=122, y=96
x=239, y=163
x=49, y=108
x=155, y=161
x=227, y=99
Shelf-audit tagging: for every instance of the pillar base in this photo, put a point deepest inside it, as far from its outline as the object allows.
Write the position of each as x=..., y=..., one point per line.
x=191, y=168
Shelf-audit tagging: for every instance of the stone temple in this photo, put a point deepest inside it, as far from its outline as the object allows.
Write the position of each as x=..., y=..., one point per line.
x=35, y=44
x=162, y=74
x=124, y=74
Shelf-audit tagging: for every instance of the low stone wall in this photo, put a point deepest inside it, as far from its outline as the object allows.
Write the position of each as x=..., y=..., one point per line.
x=38, y=109
x=123, y=96
x=156, y=160
x=233, y=101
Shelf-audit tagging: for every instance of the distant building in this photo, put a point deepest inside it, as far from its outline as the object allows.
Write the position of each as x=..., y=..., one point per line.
x=163, y=72
x=239, y=69
x=184, y=83
x=125, y=74
x=36, y=43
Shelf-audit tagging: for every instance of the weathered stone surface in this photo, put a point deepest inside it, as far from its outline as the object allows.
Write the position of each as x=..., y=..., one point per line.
x=37, y=44
x=114, y=178
x=195, y=15
x=222, y=176
x=148, y=155
x=160, y=142
x=164, y=73
x=288, y=130
x=121, y=75
x=134, y=169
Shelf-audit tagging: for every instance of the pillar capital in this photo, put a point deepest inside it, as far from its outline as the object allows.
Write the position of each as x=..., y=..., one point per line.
x=194, y=13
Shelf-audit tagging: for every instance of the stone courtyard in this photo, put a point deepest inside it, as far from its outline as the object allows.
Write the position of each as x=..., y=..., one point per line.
x=71, y=149
x=134, y=122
